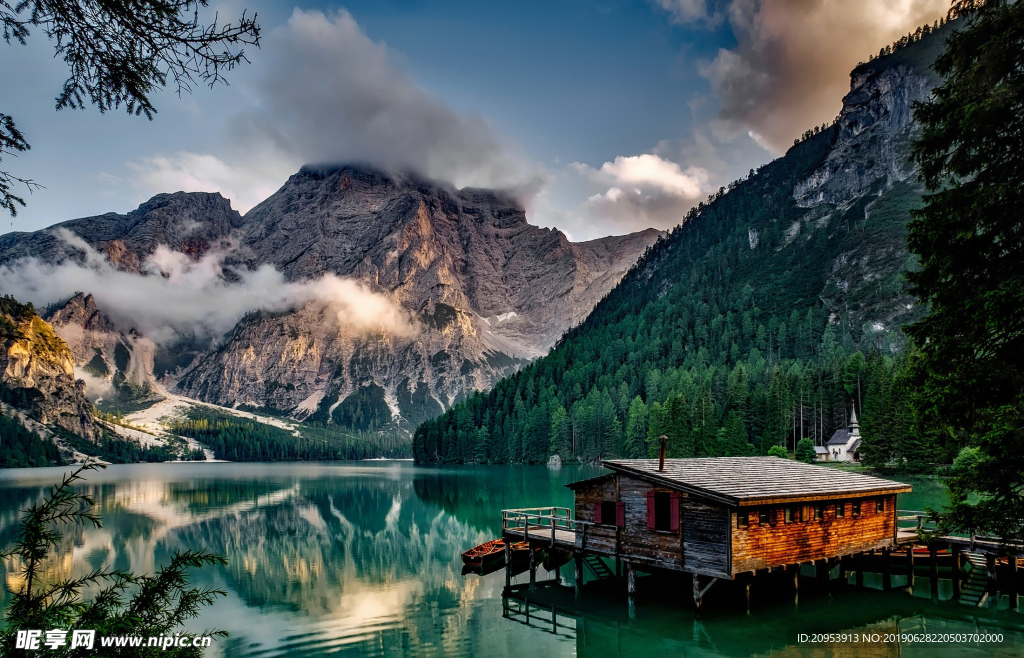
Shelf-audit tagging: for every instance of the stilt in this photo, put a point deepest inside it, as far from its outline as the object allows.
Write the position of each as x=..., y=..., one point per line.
x=533, y=567
x=957, y=575
x=697, y=598
x=796, y=577
x=578, y=560
x=910, y=568
x=1013, y=587
x=843, y=567
x=508, y=564
x=933, y=570
x=990, y=573
x=886, y=569
x=823, y=571
x=747, y=591
x=631, y=588
x=860, y=570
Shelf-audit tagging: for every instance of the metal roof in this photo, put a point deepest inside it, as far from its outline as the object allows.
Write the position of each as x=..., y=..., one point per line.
x=748, y=481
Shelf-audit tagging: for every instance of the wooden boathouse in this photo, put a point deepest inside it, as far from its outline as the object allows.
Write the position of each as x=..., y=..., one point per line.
x=715, y=518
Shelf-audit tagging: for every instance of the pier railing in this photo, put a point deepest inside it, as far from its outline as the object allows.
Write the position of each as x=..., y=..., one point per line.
x=546, y=522
x=913, y=520
x=534, y=518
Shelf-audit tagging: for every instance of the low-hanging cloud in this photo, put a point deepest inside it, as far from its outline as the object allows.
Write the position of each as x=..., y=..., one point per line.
x=176, y=296
x=330, y=94
x=790, y=67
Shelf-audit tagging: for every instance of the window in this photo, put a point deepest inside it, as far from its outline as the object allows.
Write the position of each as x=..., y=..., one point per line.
x=819, y=512
x=662, y=511
x=840, y=510
x=763, y=517
x=789, y=515
x=856, y=507
x=742, y=519
x=880, y=505
x=608, y=511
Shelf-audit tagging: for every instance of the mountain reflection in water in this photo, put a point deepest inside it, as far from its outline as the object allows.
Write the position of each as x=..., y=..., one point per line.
x=364, y=559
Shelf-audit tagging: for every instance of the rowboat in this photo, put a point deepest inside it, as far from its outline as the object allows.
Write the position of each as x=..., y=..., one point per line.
x=490, y=555
x=486, y=554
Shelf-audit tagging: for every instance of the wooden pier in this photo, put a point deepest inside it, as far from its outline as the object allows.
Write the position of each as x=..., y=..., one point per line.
x=733, y=518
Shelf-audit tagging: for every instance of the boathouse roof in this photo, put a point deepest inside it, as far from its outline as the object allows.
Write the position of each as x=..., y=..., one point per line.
x=750, y=481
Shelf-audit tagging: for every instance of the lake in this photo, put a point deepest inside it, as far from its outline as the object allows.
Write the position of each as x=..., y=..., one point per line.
x=363, y=559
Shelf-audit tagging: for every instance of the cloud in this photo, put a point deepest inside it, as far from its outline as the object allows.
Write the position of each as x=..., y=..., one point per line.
x=176, y=296
x=689, y=11
x=330, y=94
x=246, y=181
x=790, y=67
x=639, y=191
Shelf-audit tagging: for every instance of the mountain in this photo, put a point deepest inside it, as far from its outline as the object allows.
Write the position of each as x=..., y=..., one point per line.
x=748, y=326
x=37, y=373
x=486, y=291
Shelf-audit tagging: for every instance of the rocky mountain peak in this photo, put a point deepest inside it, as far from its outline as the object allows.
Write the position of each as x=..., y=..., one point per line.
x=488, y=290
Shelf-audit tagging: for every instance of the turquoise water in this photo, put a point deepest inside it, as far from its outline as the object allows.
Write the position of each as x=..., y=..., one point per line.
x=364, y=559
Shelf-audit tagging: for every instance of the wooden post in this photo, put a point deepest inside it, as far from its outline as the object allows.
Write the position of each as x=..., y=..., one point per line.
x=821, y=568
x=533, y=566
x=886, y=569
x=631, y=588
x=508, y=564
x=578, y=559
x=990, y=573
x=910, y=568
x=749, y=582
x=859, y=581
x=618, y=560
x=843, y=567
x=696, y=593
x=1013, y=586
x=933, y=569
x=958, y=565
x=796, y=577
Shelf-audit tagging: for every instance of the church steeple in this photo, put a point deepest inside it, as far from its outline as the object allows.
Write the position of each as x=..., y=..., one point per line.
x=854, y=425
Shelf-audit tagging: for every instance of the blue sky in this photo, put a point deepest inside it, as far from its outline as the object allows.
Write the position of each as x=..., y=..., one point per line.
x=604, y=117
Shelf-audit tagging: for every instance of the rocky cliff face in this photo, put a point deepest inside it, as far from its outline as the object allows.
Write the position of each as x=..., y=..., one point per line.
x=115, y=365
x=37, y=373
x=868, y=173
x=486, y=291
x=489, y=292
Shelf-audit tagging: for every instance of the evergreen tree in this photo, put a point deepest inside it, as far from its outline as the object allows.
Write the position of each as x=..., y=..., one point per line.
x=969, y=373
x=805, y=451
x=636, y=429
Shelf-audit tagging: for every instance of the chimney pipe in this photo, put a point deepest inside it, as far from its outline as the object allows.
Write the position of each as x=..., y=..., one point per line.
x=661, y=458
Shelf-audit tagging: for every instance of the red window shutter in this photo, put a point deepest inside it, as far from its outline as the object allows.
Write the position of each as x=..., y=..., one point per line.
x=597, y=513
x=620, y=514
x=650, y=510
x=674, y=512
